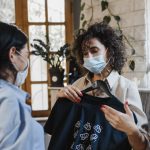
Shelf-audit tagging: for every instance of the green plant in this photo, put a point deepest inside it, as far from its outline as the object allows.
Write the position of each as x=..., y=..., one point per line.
x=107, y=19
x=53, y=58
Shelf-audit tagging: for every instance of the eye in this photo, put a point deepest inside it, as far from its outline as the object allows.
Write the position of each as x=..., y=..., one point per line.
x=94, y=50
x=85, y=53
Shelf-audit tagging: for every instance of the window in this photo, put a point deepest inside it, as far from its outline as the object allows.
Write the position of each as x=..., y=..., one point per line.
x=39, y=19
x=9, y=7
x=147, y=16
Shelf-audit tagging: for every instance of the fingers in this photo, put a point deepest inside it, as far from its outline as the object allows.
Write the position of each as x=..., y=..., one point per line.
x=75, y=91
x=70, y=92
x=108, y=110
x=113, y=116
x=120, y=121
x=127, y=109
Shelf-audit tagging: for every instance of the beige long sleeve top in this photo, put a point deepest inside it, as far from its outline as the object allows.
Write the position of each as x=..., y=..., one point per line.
x=123, y=89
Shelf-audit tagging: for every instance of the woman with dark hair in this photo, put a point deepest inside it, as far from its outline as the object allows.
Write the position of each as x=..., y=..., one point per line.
x=102, y=53
x=18, y=130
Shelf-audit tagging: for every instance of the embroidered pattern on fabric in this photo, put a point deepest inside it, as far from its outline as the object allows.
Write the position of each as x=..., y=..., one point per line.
x=85, y=135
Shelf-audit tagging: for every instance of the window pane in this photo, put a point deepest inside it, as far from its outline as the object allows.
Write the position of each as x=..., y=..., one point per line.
x=7, y=11
x=56, y=36
x=39, y=96
x=36, y=9
x=56, y=11
x=38, y=68
x=37, y=32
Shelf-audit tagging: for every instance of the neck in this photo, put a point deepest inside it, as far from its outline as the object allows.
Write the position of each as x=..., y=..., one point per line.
x=8, y=76
x=11, y=80
x=104, y=74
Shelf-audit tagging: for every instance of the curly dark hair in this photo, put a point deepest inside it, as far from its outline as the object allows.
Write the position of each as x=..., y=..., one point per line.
x=108, y=37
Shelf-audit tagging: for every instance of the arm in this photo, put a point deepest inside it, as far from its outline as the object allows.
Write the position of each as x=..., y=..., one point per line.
x=125, y=123
x=135, y=105
x=9, y=122
x=137, y=140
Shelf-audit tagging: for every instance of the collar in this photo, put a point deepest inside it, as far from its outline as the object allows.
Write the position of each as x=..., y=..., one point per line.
x=23, y=94
x=88, y=78
x=111, y=79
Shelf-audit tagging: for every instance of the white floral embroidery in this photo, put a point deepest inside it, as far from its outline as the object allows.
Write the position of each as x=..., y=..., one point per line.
x=88, y=134
x=84, y=136
x=97, y=128
x=93, y=137
x=79, y=147
x=87, y=126
x=77, y=125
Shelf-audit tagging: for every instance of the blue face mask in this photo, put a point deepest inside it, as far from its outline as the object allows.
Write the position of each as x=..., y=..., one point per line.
x=21, y=75
x=95, y=64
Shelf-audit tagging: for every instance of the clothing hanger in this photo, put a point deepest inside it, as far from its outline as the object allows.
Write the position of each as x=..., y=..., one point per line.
x=99, y=84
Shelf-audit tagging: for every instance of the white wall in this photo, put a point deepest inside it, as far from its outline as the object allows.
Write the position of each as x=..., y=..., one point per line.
x=133, y=22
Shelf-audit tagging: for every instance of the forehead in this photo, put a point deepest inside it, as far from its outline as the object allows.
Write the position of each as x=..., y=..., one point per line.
x=93, y=42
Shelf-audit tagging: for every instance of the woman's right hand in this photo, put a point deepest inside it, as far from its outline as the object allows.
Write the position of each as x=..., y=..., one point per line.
x=71, y=92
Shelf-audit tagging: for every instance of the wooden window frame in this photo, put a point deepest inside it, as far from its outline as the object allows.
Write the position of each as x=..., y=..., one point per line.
x=21, y=11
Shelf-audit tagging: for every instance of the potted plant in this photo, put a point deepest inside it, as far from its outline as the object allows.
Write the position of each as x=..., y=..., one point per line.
x=54, y=59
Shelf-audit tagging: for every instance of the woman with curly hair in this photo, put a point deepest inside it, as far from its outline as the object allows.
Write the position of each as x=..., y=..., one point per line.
x=102, y=53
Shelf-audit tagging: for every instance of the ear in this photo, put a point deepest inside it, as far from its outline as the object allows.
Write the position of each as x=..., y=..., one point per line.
x=12, y=54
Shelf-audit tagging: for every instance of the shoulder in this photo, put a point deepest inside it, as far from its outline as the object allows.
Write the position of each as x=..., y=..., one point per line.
x=80, y=83
x=9, y=111
x=8, y=100
x=115, y=79
x=129, y=87
x=7, y=94
x=11, y=91
x=127, y=82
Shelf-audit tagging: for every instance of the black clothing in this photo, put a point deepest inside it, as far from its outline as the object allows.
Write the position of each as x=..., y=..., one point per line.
x=82, y=126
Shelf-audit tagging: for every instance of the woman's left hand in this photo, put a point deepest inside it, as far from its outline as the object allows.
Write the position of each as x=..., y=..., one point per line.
x=120, y=121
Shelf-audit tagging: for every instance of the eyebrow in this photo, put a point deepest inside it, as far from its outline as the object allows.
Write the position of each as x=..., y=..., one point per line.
x=93, y=47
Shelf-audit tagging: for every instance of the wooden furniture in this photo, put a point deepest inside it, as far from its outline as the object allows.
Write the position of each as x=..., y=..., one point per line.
x=53, y=93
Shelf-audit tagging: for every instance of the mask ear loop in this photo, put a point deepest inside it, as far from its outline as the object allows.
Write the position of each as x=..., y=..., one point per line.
x=27, y=62
x=101, y=74
x=107, y=64
x=111, y=58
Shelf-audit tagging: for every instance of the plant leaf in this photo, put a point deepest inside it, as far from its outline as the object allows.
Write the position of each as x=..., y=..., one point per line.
x=133, y=51
x=132, y=65
x=82, y=16
x=107, y=19
x=84, y=23
x=82, y=6
x=104, y=5
x=117, y=18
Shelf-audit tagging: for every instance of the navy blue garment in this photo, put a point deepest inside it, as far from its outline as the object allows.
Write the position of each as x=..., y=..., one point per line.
x=82, y=126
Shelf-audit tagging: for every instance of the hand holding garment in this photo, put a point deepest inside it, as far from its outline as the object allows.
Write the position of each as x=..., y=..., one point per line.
x=83, y=126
